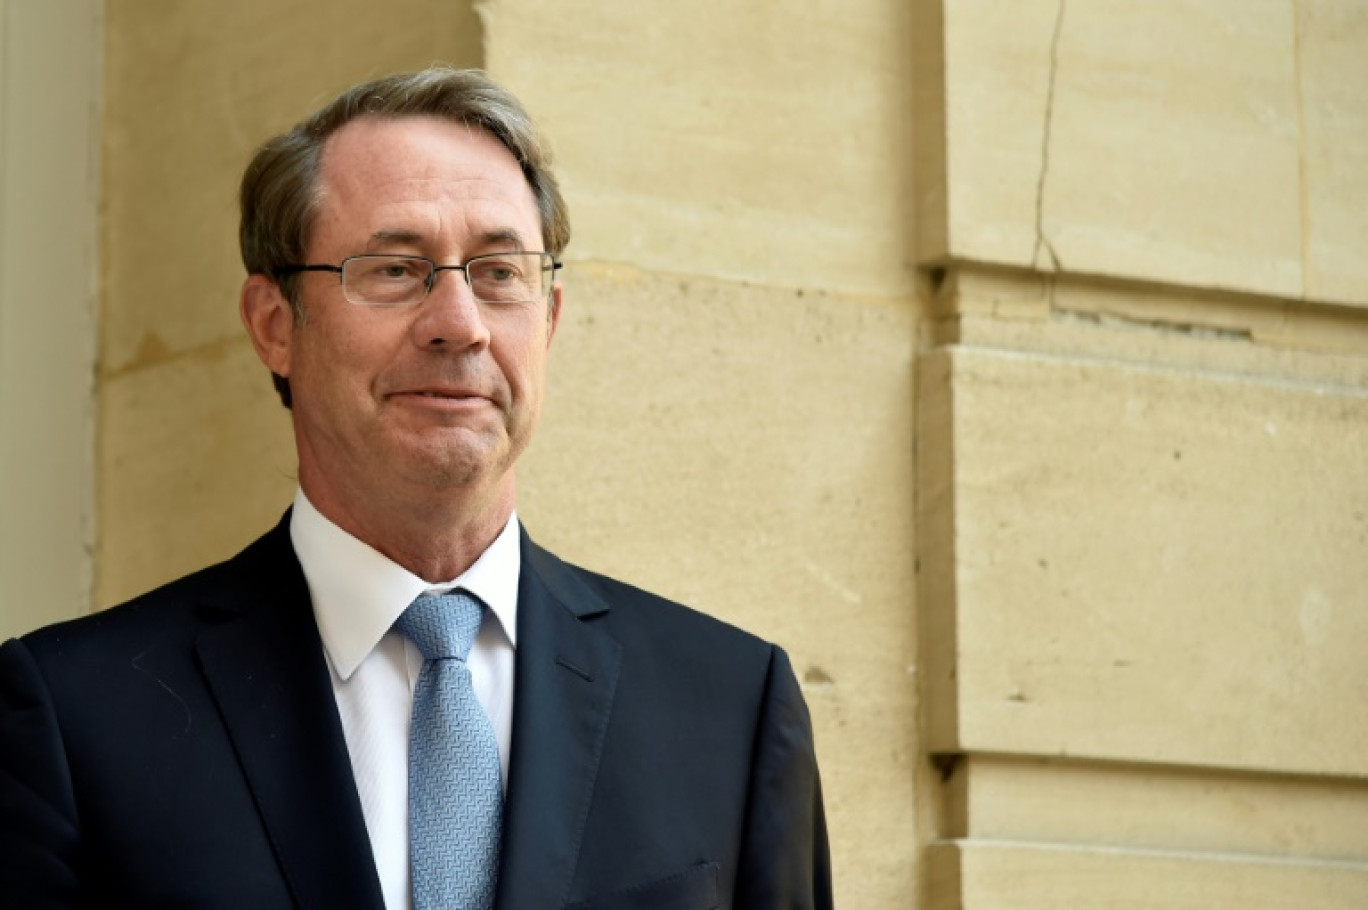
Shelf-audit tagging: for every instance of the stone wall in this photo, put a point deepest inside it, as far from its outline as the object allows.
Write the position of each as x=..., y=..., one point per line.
x=1142, y=428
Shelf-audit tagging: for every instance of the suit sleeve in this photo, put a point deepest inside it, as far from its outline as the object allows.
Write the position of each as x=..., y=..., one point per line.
x=38, y=833
x=785, y=863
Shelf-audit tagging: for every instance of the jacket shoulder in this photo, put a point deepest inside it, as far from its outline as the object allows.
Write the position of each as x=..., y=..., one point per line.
x=177, y=609
x=657, y=629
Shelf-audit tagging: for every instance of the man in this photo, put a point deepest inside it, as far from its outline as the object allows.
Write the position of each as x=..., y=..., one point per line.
x=395, y=699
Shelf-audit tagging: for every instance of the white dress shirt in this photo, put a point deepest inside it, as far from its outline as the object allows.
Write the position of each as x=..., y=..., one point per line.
x=357, y=595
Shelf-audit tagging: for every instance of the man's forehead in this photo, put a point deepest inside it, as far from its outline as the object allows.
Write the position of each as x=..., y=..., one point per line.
x=372, y=144
x=408, y=167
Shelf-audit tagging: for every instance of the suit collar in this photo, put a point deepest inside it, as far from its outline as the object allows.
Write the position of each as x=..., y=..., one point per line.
x=566, y=679
x=266, y=670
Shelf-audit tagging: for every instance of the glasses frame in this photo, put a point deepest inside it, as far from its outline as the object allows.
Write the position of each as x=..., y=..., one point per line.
x=548, y=260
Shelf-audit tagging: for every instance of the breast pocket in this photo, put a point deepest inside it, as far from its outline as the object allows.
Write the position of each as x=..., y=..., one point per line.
x=692, y=889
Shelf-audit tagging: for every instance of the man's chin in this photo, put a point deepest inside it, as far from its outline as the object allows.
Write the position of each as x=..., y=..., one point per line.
x=458, y=466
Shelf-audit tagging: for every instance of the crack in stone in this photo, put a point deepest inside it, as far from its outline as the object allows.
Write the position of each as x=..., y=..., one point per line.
x=1042, y=241
x=1158, y=326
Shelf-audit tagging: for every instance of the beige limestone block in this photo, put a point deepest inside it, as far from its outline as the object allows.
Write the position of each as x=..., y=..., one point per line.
x=936, y=553
x=1167, y=314
x=1322, y=328
x=1156, y=140
x=929, y=134
x=1143, y=323
x=747, y=451
x=996, y=86
x=1154, y=807
x=1333, y=61
x=1148, y=564
x=756, y=142
x=197, y=459
x=191, y=90
x=987, y=876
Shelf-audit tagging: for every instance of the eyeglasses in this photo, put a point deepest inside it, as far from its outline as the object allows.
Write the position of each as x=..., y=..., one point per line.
x=404, y=281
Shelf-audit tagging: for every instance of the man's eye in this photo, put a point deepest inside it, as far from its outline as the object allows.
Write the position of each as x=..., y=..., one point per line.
x=496, y=272
x=395, y=270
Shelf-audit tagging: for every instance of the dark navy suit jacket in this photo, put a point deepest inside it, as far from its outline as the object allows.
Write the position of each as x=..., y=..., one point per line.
x=184, y=750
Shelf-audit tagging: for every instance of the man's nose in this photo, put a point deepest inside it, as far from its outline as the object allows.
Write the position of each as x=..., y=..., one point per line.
x=450, y=316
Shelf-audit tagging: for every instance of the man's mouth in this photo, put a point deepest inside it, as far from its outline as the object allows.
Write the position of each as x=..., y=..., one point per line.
x=460, y=399
x=440, y=393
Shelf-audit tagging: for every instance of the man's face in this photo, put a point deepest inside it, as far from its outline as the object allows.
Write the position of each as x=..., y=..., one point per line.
x=393, y=402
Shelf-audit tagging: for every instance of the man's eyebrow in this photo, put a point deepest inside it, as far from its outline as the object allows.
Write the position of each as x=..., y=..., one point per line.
x=502, y=237
x=385, y=238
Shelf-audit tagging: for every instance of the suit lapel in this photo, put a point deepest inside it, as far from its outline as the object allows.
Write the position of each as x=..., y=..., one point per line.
x=566, y=677
x=269, y=678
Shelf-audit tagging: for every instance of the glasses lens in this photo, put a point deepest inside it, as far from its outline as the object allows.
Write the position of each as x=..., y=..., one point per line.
x=508, y=277
x=385, y=280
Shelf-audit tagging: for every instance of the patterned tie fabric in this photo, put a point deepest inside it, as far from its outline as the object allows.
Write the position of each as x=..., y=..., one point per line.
x=455, y=791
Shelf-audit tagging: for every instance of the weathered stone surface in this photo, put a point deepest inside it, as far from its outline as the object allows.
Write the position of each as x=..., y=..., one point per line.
x=1153, y=564
x=987, y=875
x=1144, y=139
x=197, y=460
x=1153, y=807
x=1332, y=61
x=191, y=90
x=1211, y=331
x=996, y=87
x=755, y=142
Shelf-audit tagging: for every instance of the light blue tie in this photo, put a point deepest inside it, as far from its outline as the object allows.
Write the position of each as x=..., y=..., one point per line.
x=455, y=791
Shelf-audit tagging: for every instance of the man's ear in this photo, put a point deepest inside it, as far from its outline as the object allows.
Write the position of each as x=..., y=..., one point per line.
x=553, y=316
x=270, y=322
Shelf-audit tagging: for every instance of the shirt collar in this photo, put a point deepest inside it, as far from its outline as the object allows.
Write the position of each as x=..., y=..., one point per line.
x=358, y=592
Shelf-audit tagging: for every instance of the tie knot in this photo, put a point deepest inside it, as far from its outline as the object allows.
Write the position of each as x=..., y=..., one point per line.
x=442, y=625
